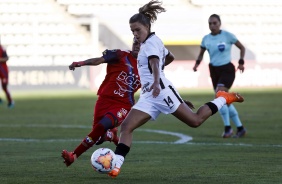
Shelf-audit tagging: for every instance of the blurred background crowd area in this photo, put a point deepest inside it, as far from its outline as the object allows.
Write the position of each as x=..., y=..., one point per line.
x=42, y=37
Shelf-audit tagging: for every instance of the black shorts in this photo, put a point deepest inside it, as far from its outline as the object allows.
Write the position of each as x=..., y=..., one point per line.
x=222, y=75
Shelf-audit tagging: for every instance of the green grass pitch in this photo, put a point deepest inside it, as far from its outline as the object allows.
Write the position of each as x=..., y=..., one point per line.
x=42, y=124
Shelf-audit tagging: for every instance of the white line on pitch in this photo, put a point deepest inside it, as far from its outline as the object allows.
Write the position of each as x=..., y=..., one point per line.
x=144, y=142
x=183, y=139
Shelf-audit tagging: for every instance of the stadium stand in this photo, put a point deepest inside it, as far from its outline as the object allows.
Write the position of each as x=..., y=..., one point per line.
x=42, y=33
x=180, y=27
x=257, y=23
x=51, y=32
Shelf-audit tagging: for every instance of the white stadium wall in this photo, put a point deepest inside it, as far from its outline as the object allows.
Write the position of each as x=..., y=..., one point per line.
x=43, y=37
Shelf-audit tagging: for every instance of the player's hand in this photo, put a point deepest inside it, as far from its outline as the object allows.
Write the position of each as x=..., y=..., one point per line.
x=156, y=89
x=195, y=67
x=75, y=64
x=241, y=68
x=189, y=104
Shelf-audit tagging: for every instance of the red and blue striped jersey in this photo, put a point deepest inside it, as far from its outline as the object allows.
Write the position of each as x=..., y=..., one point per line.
x=122, y=78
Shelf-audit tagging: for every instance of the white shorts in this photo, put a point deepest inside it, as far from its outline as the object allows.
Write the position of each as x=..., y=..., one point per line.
x=166, y=102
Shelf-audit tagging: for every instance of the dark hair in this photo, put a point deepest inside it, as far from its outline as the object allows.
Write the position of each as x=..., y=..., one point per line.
x=148, y=13
x=215, y=16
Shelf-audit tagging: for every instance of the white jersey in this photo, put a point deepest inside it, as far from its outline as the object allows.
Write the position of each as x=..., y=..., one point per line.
x=169, y=99
x=151, y=47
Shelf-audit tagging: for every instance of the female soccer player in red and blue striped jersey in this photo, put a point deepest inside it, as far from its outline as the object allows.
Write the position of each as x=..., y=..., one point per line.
x=115, y=97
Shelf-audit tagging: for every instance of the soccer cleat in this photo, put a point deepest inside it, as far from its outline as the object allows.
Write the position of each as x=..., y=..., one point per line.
x=1, y=101
x=230, y=97
x=110, y=135
x=11, y=105
x=114, y=173
x=227, y=134
x=68, y=157
x=241, y=133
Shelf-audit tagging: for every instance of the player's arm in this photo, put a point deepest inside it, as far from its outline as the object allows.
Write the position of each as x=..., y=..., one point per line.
x=242, y=55
x=199, y=59
x=91, y=61
x=154, y=63
x=169, y=58
x=242, y=49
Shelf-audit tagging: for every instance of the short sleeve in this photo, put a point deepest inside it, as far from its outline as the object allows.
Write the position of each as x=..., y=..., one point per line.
x=232, y=38
x=151, y=49
x=166, y=51
x=203, y=43
x=112, y=56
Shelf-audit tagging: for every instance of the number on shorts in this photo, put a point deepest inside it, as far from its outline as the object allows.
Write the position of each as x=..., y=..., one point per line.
x=168, y=101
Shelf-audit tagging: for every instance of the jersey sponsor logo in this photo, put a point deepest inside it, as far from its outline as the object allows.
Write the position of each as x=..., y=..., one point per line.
x=221, y=46
x=145, y=88
x=127, y=82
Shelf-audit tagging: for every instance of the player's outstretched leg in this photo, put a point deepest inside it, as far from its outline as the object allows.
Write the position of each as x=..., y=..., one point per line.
x=68, y=157
x=230, y=97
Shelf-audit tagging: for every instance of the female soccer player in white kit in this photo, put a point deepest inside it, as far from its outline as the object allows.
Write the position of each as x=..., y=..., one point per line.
x=158, y=94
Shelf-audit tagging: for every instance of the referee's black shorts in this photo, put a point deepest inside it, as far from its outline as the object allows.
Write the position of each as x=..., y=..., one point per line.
x=222, y=75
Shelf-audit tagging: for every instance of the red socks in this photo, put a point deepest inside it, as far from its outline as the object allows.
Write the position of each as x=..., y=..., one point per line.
x=97, y=132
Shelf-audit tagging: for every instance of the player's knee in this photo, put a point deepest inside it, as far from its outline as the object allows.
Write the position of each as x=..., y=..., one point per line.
x=125, y=127
x=233, y=114
x=194, y=123
x=109, y=121
x=224, y=110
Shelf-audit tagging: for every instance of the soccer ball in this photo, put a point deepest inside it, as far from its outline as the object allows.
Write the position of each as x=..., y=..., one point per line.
x=103, y=160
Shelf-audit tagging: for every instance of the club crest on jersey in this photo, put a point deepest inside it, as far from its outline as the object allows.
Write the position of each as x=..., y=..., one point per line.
x=121, y=112
x=221, y=46
x=124, y=111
